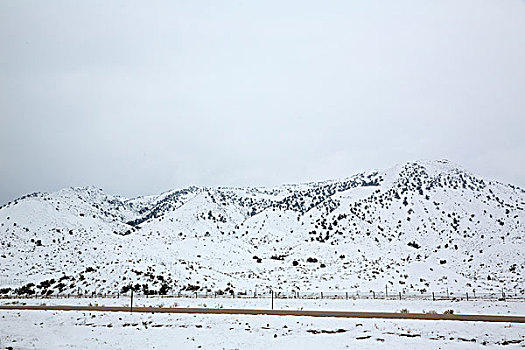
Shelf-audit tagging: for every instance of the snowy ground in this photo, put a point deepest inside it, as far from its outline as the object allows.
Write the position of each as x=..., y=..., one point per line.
x=95, y=330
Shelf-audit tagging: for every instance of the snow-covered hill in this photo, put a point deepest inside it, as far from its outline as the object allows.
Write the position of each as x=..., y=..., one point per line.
x=418, y=227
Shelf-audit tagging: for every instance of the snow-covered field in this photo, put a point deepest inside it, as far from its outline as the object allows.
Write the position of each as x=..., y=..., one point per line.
x=123, y=330
x=84, y=330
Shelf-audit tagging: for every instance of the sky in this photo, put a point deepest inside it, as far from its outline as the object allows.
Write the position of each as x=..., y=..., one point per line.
x=140, y=97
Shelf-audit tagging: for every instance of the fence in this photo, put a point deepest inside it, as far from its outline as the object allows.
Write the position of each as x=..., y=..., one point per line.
x=502, y=295
x=435, y=296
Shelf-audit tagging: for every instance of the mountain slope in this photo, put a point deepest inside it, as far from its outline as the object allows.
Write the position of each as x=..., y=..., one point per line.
x=417, y=227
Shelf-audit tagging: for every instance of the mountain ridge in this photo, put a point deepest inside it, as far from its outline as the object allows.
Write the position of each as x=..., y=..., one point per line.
x=414, y=227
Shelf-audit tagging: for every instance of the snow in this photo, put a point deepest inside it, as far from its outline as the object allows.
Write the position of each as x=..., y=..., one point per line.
x=469, y=231
x=124, y=330
x=417, y=228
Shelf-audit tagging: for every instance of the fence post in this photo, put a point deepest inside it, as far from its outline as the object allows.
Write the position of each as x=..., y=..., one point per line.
x=346, y=295
x=448, y=297
x=433, y=297
x=131, y=308
x=321, y=295
x=374, y=294
x=386, y=291
x=272, y=299
x=399, y=295
x=503, y=294
x=467, y=296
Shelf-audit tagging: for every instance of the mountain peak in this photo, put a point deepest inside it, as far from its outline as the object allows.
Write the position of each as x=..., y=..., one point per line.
x=417, y=226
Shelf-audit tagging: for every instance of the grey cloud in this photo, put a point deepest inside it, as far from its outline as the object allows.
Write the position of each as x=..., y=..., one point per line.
x=140, y=98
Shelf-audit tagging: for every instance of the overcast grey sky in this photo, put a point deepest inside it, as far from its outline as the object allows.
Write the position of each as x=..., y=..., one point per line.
x=140, y=97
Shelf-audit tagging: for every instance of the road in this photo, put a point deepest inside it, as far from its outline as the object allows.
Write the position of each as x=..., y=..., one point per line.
x=310, y=313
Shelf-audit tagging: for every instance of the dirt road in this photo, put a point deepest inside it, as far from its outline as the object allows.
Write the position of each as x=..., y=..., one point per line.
x=312, y=313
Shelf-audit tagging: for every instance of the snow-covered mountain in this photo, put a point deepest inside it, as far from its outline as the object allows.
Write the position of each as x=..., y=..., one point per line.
x=418, y=227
